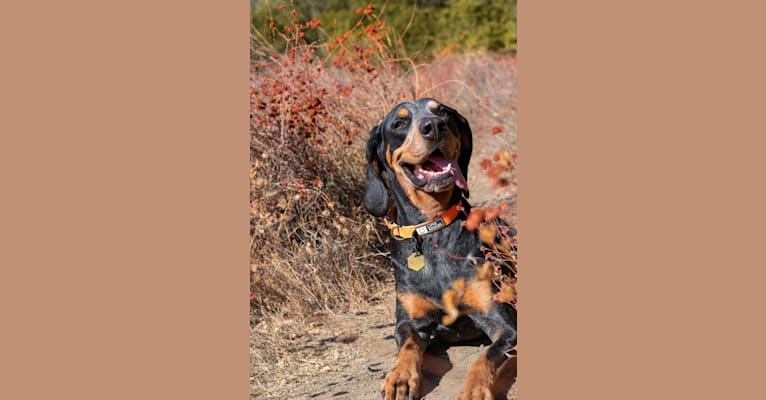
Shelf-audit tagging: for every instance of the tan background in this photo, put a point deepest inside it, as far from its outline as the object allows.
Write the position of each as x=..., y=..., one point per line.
x=123, y=165
x=641, y=195
x=123, y=162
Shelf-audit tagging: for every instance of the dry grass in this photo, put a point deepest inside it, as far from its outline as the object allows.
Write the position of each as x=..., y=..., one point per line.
x=313, y=246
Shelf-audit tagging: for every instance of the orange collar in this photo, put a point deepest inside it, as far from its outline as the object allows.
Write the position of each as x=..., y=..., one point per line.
x=428, y=227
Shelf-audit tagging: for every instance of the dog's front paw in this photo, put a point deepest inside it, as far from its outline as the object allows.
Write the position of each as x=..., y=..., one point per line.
x=478, y=383
x=403, y=382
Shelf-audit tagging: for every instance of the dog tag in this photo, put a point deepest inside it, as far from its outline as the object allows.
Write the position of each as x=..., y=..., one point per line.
x=416, y=261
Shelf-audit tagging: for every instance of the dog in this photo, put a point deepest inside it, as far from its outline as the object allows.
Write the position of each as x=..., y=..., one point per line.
x=417, y=170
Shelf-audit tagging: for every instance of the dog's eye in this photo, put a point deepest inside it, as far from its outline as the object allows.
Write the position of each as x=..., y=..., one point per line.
x=398, y=124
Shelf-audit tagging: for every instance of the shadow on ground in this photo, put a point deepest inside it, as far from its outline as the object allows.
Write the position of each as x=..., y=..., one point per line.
x=445, y=367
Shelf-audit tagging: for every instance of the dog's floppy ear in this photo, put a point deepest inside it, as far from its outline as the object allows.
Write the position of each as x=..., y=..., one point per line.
x=466, y=144
x=375, y=192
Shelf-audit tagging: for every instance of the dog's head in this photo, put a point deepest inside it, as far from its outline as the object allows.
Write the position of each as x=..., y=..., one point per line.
x=420, y=150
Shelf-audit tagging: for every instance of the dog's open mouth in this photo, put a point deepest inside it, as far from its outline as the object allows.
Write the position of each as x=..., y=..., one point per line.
x=437, y=172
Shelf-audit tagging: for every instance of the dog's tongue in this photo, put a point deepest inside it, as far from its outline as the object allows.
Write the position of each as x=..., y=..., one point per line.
x=459, y=178
x=438, y=163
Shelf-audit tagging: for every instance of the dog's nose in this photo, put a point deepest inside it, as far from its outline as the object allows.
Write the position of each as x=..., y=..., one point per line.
x=431, y=128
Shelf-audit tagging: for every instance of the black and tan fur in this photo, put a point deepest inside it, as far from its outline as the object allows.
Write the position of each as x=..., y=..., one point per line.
x=450, y=299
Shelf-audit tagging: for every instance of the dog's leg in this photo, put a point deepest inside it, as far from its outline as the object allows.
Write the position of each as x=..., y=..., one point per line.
x=412, y=337
x=403, y=382
x=481, y=376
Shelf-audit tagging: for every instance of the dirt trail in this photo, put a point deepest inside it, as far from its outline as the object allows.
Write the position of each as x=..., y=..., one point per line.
x=365, y=359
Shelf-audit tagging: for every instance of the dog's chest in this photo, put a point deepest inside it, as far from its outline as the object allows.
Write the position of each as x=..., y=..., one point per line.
x=437, y=270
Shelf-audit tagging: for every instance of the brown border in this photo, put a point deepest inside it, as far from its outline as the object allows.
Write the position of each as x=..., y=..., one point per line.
x=124, y=211
x=124, y=220
x=641, y=199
